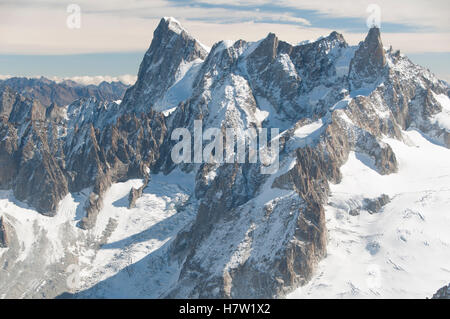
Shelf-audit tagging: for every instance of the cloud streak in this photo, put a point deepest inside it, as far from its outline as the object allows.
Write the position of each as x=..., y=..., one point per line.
x=39, y=27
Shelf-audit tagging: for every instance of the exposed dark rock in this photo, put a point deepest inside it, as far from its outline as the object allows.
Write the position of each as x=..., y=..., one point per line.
x=46, y=154
x=135, y=194
x=373, y=206
x=48, y=92
x=443, y=293
x=354, y=211
x=158, y=69
x=4, y=233
x=95, y=202
x=312, y=67
x=368, y=63
x=8, y=149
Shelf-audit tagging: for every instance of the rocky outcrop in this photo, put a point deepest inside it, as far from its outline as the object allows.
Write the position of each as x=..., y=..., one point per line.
x=121, y=151
x=28, y=160
x=254, y=235
x=95, y=202
x=135, y=194
x=443, y=293
x=40, y=179
x=372, y=205
x=4, y=233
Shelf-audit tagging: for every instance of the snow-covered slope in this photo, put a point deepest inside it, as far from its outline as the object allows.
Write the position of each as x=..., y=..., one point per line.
x=121, y=239
x=401, y=251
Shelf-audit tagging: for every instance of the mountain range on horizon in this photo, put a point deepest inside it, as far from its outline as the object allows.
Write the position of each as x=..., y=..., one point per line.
x=62, y=93
x=358, y=208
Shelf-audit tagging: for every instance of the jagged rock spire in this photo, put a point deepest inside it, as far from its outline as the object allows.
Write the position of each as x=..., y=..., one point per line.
x=373, y=47
x=4, y=239
x=268, y=47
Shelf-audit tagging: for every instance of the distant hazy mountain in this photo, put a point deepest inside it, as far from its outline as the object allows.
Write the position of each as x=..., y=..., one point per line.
x=47, y=92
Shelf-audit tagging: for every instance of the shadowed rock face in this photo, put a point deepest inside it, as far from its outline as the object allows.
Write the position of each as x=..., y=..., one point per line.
x=310, y=66
x=254, y=235
x=368, y=62
x=121, y=151
x=45, y=155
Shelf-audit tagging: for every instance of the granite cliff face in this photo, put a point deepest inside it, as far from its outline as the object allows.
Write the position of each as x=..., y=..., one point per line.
x=369, y=61
x=253, y=235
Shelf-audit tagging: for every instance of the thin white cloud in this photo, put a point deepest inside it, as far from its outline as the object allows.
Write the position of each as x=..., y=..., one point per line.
x=431, y=13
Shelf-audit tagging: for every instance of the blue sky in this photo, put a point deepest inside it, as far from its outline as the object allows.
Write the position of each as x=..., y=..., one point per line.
x=113, y=35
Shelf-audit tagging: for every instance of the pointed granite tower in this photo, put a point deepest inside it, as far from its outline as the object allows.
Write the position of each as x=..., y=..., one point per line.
x=367, y=65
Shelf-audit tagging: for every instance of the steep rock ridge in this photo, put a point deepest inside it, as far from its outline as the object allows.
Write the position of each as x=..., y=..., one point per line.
x=236, y=86
x=84, y=132
x=8, y=143
x=368, y=63
x=136, y=193
x=118, y=152
x=44, y=158
x=323, y=163
x=443, y=293
x=4, y=233
x=171, y=52
x=29, y=164
x=414, y=101
x=298, y=81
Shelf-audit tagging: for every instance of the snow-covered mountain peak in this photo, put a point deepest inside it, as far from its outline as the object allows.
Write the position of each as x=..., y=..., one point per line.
x=173, y=24
x=172, y=48
x=373, y=46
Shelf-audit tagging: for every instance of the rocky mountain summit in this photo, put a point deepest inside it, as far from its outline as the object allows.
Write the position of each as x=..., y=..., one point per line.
x=252, y=235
